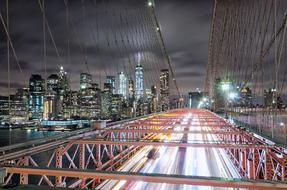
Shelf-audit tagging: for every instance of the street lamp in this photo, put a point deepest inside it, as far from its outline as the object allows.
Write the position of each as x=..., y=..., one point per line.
x=232, y=95
x=149, y=3
x=225, y=85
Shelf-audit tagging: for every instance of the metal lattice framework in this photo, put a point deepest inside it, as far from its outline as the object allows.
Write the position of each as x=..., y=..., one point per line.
x=85, y=160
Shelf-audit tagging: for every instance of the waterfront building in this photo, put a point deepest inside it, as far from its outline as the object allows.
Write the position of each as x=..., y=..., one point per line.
x=122, y=85
x=154, y=100
x=139, y=82
x=112, y=81
x=52, y=103
x=106, y=97
x=246, y=97
x=131, y=92
x=85, y=81
x=164, y=89
x=116, y=106
x=36, y=99
x=72, y=108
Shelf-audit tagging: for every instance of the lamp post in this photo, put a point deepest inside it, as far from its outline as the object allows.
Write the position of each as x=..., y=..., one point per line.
x=225, y=87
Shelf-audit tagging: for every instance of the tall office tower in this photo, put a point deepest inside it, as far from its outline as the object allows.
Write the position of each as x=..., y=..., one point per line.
x=139, y=82
x=18, y=105
x=85, y=81
x=106, y=98
x=63, y=80
x=112, y=81
x=122, y=85
x=153, y=99
x=53, y=83
x=131, y=89
x=272, y=99
x=148, y=101
x=72, y=107
x=63, y=91
x=131, y=99
x=89, y=102
x=164, y=89
x=246, y=97
x=98, y=103
x=36, y=99
x=52, y=97
x=116, y=106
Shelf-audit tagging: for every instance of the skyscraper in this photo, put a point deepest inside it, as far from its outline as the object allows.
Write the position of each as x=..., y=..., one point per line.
x=112, y=81
x=63, y=81
x=131, y=89
x=53, y=82
x=106, y=98
x=154, y=99
x=116, y=106
x=63, y=91
x=139, y=82
x=164, y=89
x=85, y=81
x=246, y=97
x=36, y=99
x=122, y=85
x=89, y=102
x=52, y=97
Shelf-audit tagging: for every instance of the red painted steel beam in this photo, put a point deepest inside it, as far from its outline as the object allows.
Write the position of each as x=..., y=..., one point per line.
x=153, y=178
x=201, y=144
x=216, y=132
x=178, y=125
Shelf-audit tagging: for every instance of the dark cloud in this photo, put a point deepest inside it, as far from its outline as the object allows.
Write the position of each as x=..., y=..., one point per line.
x=13, y=84
x=189, y=74
x=185, y=25
x=24, y=65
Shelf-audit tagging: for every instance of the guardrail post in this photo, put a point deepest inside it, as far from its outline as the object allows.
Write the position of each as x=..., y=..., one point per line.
x=243, y=161
x=250, y=164
x=98, y=157
x=24, y=177
x=3, y=174
x=59, y=160
x=98, y=160
x=82, y=161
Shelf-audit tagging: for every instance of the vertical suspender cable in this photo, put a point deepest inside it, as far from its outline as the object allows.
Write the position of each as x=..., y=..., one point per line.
x=164, y=50
x=44, y=43
x=8, y=57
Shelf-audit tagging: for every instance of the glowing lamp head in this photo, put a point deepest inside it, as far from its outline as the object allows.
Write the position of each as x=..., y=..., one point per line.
x=232, y=95
x=225, y=86
x=149, y=3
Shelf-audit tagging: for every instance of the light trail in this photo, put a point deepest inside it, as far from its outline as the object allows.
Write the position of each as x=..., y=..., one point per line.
x=174, y=160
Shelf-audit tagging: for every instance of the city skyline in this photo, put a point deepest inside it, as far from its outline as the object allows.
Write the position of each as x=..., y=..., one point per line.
x=53, y=98
x=33, y=62
x=143, y=94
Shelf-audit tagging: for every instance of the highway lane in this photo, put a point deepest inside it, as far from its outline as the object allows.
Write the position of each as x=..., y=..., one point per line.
x=186, y=161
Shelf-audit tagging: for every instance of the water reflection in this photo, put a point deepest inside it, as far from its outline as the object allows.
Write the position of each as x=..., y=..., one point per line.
x=8, y=137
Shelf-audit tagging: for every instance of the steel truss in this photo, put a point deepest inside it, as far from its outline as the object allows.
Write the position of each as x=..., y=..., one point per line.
x=108, y=149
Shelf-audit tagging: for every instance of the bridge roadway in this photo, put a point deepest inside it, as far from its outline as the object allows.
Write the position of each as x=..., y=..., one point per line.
x=189, y=154
x=178, y=160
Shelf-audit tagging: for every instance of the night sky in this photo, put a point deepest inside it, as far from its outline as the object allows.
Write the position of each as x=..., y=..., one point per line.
x=185, y=26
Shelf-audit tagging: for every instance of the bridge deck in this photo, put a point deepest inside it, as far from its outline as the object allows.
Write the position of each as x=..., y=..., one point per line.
x=153, y=178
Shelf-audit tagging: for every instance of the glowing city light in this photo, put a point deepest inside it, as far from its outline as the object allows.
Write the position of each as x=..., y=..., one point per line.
x=225, y=86
x=232, y=95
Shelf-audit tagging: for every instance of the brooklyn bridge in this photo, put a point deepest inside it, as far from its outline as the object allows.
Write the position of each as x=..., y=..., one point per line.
x=129, y=122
